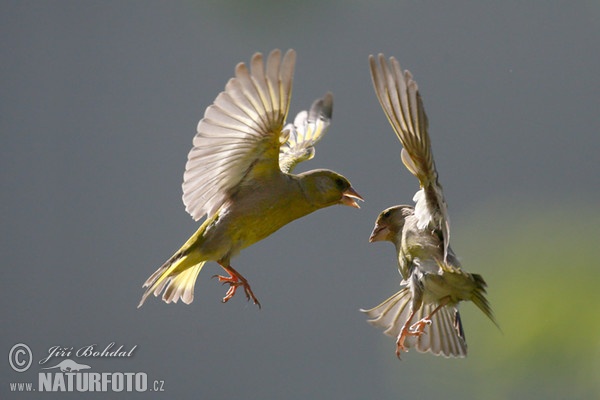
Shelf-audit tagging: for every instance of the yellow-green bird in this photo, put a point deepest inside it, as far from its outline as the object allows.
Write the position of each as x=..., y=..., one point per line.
x=433, y=282
x=238, y=175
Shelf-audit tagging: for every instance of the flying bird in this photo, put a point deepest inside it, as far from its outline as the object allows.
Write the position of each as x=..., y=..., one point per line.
x=239, y=175
x=433, y=282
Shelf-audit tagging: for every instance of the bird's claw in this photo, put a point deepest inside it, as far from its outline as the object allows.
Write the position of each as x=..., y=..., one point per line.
x=400, y=348
x=418, y=328
x=234, y=283
x=409, y=331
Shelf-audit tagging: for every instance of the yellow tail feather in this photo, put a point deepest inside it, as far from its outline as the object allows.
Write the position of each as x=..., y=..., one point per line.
x=176, y=277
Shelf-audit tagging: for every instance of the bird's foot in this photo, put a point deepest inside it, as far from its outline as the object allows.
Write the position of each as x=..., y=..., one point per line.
x=400, y=345
x=234, y=281
x=418, y=328
x=404, y=333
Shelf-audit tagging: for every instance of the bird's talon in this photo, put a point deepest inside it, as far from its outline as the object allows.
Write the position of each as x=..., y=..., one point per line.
x=418, y=328
x=400, y=348
x=234, y=281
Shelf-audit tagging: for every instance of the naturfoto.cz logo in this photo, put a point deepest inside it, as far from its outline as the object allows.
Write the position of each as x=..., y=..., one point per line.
x=69, y=375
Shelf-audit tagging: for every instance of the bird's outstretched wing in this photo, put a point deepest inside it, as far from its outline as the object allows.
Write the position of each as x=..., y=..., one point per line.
x=240, y=134
x=399, y=97
x=308, y=128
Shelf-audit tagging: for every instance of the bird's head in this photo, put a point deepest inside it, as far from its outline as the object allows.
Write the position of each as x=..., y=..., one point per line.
x=389, y=224
x=324, y=188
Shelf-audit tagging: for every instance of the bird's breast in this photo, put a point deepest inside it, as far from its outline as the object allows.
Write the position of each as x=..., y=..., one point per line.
x=258, y=212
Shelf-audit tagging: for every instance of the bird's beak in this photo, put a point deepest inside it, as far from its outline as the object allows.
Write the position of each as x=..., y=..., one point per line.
x=349, y=197
x=379, y=233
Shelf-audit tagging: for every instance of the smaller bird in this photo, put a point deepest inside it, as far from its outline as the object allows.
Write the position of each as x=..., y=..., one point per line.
x=238, y=175
x=433, y=282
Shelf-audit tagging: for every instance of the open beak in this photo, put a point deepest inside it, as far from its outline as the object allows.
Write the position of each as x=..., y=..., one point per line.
x=380, y=232
x=350, y=196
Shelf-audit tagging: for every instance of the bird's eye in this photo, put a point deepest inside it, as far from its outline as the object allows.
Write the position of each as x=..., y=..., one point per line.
x=386, y=213
x=339, y=182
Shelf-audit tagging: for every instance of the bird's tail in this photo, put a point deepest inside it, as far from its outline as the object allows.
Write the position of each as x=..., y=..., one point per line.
x=176, y=277
x=445, y=335
x=480, y=300
x=473, y=287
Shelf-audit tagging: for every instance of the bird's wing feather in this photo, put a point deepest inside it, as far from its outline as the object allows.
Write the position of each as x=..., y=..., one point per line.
x=308, y=128
x=239, y=137
x=399, y=97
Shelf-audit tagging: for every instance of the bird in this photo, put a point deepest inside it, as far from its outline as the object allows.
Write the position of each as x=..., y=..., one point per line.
x=238, y=175
x=433, y=282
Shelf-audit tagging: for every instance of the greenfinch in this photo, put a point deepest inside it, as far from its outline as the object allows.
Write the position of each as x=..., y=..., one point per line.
x=238, y=175
x=433, y=282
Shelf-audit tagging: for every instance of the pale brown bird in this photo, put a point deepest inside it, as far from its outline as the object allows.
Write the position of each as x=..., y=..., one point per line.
x=433, y=282
x=238, y=175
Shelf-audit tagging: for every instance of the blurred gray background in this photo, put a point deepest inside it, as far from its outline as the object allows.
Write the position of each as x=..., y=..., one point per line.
x=99, y=104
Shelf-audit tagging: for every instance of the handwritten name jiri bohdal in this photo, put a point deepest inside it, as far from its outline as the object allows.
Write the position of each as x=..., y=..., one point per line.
x=89, y=351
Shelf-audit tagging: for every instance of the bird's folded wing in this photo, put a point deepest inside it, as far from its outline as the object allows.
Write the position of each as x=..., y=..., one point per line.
x=399, y=97
x=308, y=128
x=240, y=134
